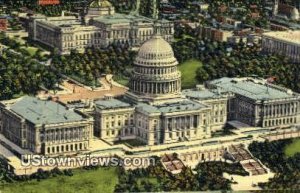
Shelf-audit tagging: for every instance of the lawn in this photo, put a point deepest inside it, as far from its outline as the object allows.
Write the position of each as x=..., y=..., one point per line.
x=122, y=80
x=83, y=181
x=292, y=148
x=188, y=70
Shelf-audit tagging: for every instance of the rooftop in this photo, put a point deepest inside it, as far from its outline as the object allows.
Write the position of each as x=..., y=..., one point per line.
x=186, y=105
x=62, y=21
x=43, y=112
x=111, y=104
x=121, y=18
x=254, y=88
x=181, y=106
x=203, y=94
x=288, y=36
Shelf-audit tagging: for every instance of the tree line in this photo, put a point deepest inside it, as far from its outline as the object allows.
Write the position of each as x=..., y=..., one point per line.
x=221, y=59
x=287, y=169
x=94, y=62
x=206, y=176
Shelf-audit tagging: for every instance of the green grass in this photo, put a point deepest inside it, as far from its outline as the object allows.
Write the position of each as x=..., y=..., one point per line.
x=122, y=80
x=83, y=181
x=292, y=148
x=188, y=70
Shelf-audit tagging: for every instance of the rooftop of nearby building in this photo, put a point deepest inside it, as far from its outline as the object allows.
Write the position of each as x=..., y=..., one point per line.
x=254, y=88
x=61, y=21
x=121, y=18
x=43, y=112
x=117, y=18
x=288, y=36
x=111, y=104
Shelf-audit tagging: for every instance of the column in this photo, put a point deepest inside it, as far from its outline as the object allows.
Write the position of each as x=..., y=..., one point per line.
x=152, y=87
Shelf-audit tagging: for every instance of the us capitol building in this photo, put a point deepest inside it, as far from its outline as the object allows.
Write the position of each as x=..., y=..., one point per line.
x=99, y=27
x=155, y=110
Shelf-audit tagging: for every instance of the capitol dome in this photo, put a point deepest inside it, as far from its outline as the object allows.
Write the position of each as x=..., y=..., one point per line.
x=156, y=48
x=155, y=74
x=156, y=52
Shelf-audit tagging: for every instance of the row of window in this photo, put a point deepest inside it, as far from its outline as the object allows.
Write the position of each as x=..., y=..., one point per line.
x=276, y=122
x=182, y=134
x=116, y=132
x=280, y=110
x=112, y=124
x=66, y=148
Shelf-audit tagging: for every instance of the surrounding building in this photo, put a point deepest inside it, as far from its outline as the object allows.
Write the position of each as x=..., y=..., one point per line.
x=220, y=29
x=48, y=2
x=285, y=43
x=286, y=11
x=3, y=23
x=45, y=127
x=215, y=34
x=100, y=27
x=259, y=103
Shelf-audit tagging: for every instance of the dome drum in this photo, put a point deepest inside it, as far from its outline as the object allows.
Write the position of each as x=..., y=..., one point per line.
x=155, y=88
x=157, y=78
x=156, y=70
